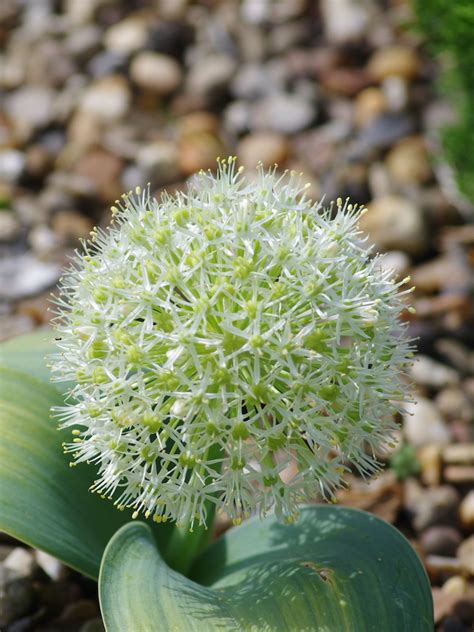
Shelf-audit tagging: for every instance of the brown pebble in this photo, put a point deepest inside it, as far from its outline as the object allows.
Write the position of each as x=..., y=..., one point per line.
x=459, y=453
x=440, y=540
x=390, y=61
x=408, y=163
x=368, y=104
x=459, y=473
x=466, y=511
x=265, y=147
x=199, y=151
x=102, y=169
x=437, y=565
x=465, y=555
x=71, y=226
x=429, y=458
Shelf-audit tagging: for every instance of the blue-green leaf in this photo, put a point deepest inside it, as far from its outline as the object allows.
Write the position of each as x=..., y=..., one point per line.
x=335, y=570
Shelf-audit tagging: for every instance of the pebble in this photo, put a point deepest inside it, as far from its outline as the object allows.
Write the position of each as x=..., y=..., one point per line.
x=454, y=404
x=440, y=540
x=456, y=585
x=238, y=117
x=423, y=424
x=466, y=511
x=407, y=162
x=16, y=595
x=30, y=107
x=12, y=163
x=399, y=61
x=25, y=275
x=127, y=36
x=10, y=227
x=269, y=148
x=381, y=133
x=433, y=506
x=254, y=80
x=458, y=474
x=43, y=240
x=210, y=76
x=465, y=555
x=395, y=90
x=428, y=372
x=457, y=354
x=20, y=561
x=50, y=565
x=368, y=105
x=446, y=272
x=199, y=151
x=395, y=223
x=344, y=21
x=70, y=226
x=284, y=113
x=100, y=172
x=429, y=458
x=459, y=453
x=107, y=99
x=158, y=73
x=397, y=262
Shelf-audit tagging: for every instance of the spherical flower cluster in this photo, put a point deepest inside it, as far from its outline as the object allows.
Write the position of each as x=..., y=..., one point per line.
x=232, y=345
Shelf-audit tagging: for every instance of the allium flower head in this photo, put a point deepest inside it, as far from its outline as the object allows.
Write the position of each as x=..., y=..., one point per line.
x=224, y=336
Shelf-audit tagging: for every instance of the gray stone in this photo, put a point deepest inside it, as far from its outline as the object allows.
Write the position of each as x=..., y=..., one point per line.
x=25, y=275
x=345, y=20
x=210, y=76
x=381, y=133
x=423, y=424
x=10, y=227
x=12, y=163
x=30, y=106
x=433, y=506
x=285, y=113
x=428, y=372
x=107, y=99
x=20, y=561
x=395, y=223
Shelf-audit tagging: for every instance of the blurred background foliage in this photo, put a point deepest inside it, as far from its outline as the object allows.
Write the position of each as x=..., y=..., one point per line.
x=449, y=29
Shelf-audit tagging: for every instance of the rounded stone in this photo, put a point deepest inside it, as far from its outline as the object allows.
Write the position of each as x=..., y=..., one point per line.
x=440, y=540
x=423, y=424
x=368, y=104
x=127, y=36
x=285, y=113
x=156, y=72
x=407, y=162
x=269, y=148
x=106, y=99
x=396, y=60
x=395, y=223
x=466, y=511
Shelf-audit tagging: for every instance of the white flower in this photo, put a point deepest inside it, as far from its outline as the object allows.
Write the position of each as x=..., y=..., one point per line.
x=220, y=335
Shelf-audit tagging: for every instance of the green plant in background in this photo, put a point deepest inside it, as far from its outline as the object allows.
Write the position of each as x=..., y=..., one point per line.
x=404, y=462
x=230, y=348
x=449, y=28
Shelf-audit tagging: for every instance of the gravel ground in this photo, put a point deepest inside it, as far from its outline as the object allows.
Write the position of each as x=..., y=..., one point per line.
x=98, y=96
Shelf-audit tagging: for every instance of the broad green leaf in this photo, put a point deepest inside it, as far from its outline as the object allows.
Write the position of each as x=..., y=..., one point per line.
x=336, y=569
x=43, y=501
x=28, y=353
